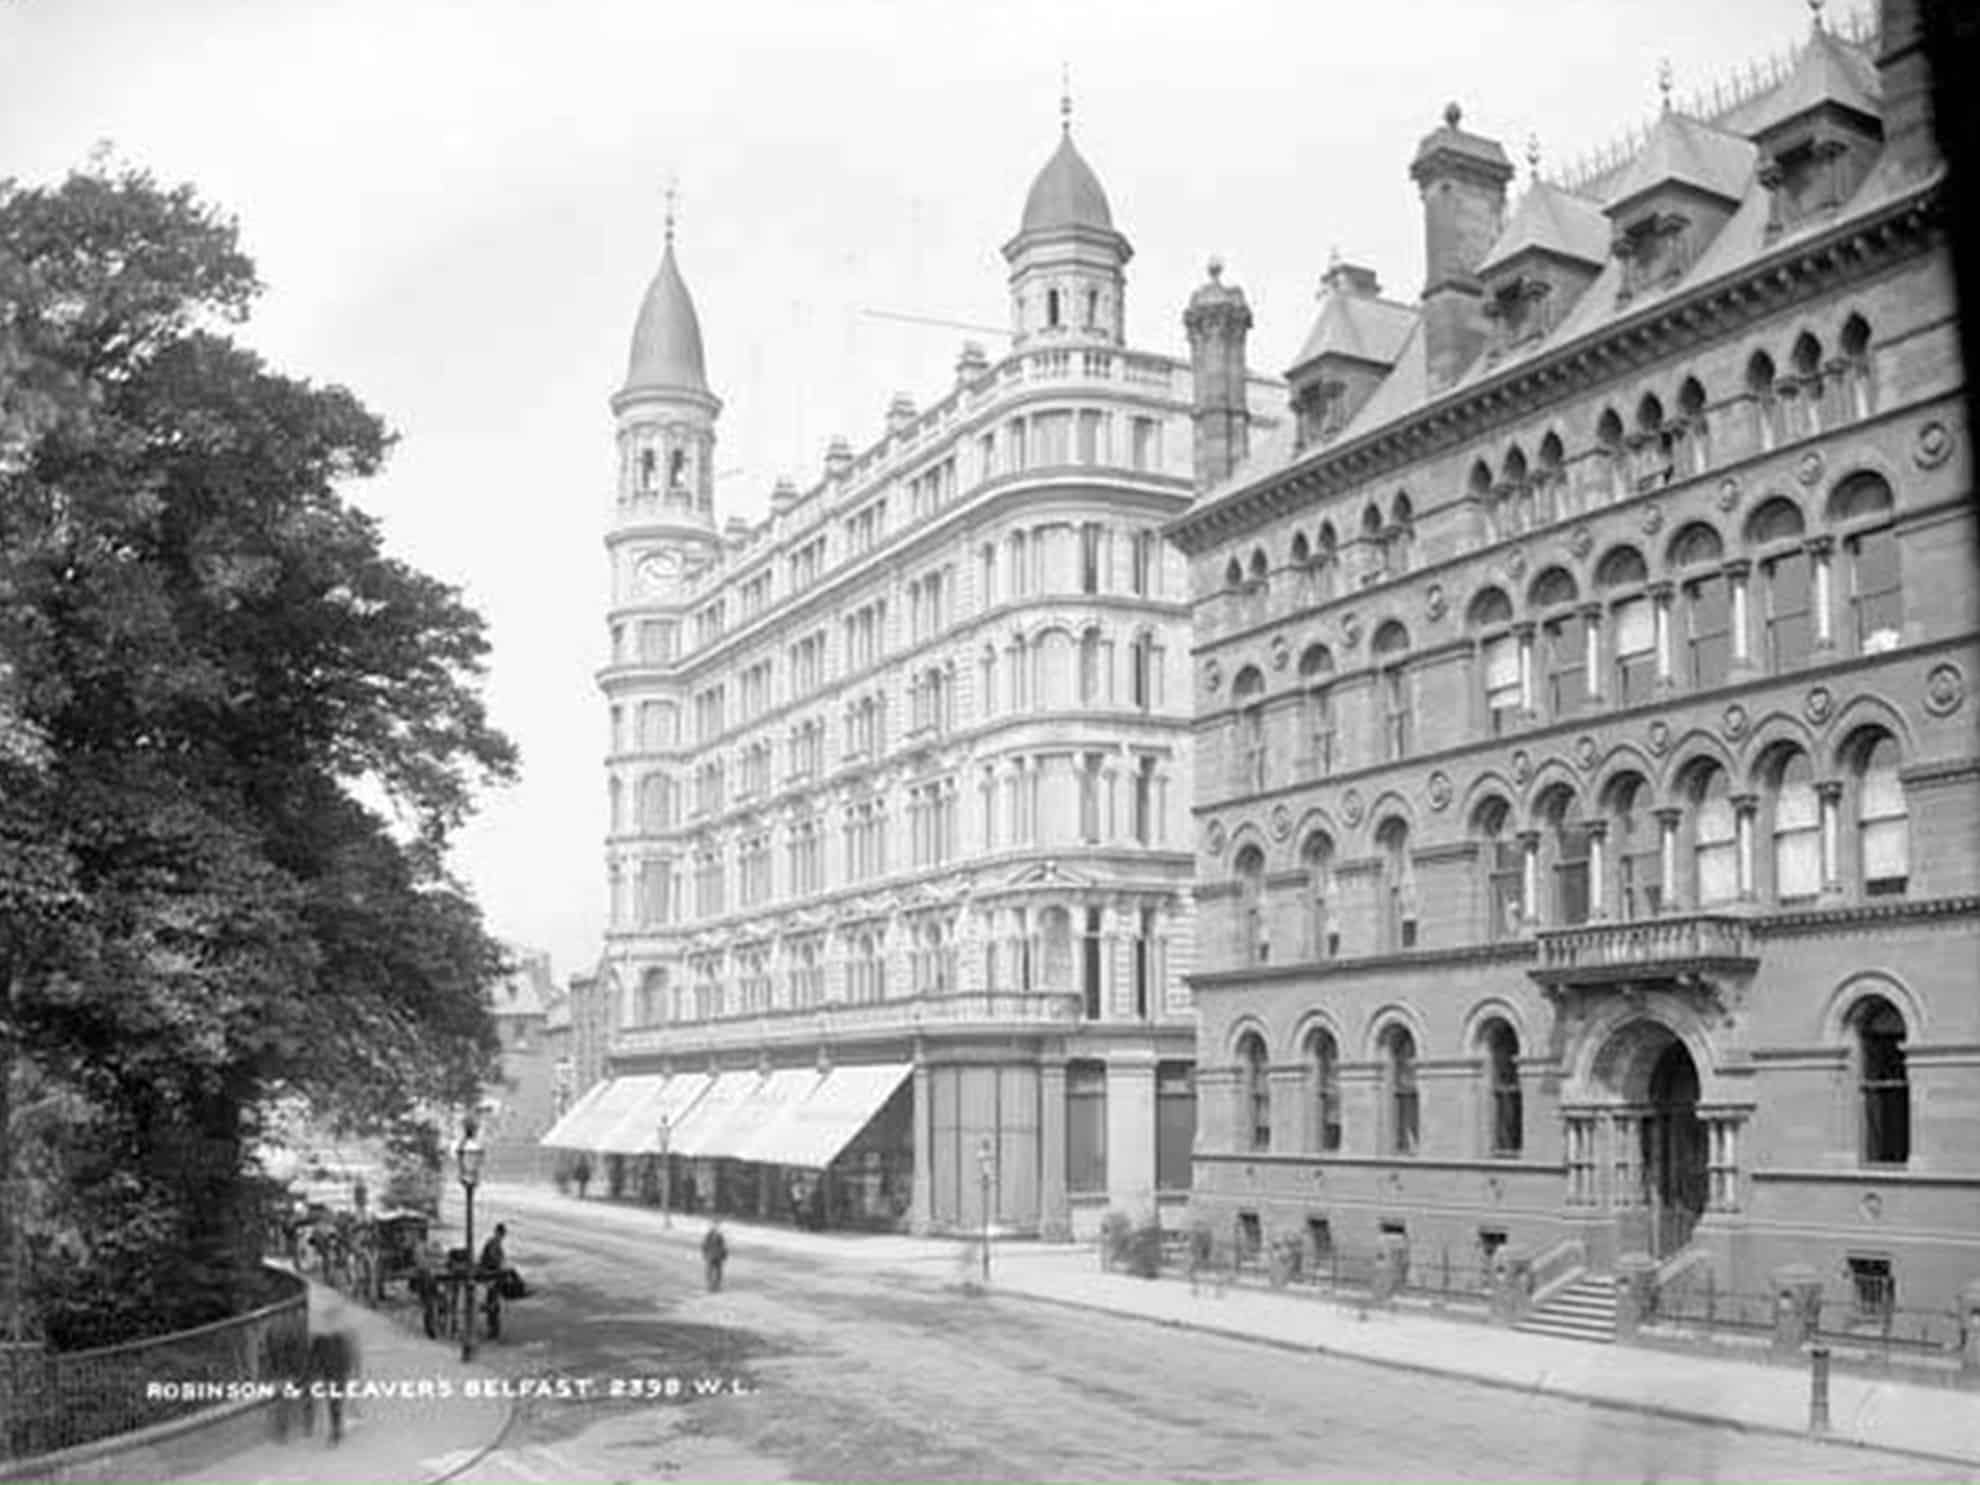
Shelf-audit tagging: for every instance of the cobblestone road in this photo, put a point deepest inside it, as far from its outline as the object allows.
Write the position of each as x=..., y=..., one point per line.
x=801, y=1373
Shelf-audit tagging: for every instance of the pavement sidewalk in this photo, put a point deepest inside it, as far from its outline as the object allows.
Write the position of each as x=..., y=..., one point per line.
x=382, y=1435
x=1935, y=1422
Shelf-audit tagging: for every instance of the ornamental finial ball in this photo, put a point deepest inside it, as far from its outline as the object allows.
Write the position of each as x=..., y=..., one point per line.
x=1452, y=113
x=1216, y=269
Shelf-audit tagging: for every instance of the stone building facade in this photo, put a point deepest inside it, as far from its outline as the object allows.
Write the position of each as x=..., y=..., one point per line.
x=1586, y=772
x=899, y=777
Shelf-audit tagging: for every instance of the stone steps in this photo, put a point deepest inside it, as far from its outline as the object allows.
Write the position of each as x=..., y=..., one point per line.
x=1584, y=1311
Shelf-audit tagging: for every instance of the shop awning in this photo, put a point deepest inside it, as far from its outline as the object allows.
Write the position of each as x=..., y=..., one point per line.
x=638, y=1133
x=619, y=1098
x=811, y=1134
x=767, y=1102
x=556, y=1138
x=726, y=1093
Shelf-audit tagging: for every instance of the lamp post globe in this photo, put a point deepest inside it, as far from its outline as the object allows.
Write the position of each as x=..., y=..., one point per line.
x=468, y=1157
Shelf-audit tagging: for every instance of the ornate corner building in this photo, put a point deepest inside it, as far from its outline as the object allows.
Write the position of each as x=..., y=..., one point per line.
x=1586, y=776
x=900, y=863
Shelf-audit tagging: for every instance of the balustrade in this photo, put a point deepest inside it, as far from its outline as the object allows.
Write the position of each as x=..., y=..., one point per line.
x=1620, y=949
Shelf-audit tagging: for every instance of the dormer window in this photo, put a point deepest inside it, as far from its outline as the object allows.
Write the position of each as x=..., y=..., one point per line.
x=1518, y=311
x=1654, y=249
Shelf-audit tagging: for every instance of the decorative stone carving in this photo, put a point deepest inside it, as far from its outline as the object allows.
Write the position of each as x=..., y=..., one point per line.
x=1350, y=630
x=1872, y=1206
x=1522, y=768
x=1582, y=542
x=1280, y=653
x=1281, y=822
x=1945, y=689
x=1933, y=447
x=1809, y=470
x=1351, y=807
x=1439, y=790
x=1213, y=676
x=1434, y=603
x=1586, y=753
x=1213, y=838
x=1653, y=520
x=1516, y=564
x=1819, y=706
x=1734, y=722
x=1728, y=493
x=1660, y=737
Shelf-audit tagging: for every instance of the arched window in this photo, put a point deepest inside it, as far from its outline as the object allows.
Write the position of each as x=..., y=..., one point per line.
x=1505, y=871
x=1786, y=582
x=1250, y=867
x=1092, y=672
x=1019, y=658
x=1655, y=445
x=1390, y=648
x=1715, y=839
x=1398, y=886
x=1550, y=487
x=1882, y=1081
x=1316, y=675
x=1636, y=839
x=1401, y=534
x=1692, y=431
x=1488, y=618
x=1883, y=826
x=1301, y=553
x=1807, y=361
x=1568, y=854
x=1052, y=308
x=1323, y=1061
x=1563, y=642
x=1233, y=575
x=1399, y=1078
x=1859, y=371
x=1371, y=536
x=1797, y=830
x=1508, y=1108
x=649, y=468
x=1870, y=551
x=615, y=793
x=1632, y=626
x=1248, y=695
x=1257, y=1092
x=1144, y=668
x=1761, y=384
x=1615, y=453
x=1261, y=567
x=1323, y=940
x=986, y=666
x=1515, y=511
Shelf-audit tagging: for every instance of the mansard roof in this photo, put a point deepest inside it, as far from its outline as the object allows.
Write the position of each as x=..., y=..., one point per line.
x=1357, y=327
x=1685, y=151
x=1829, y=72
x=1552, y=220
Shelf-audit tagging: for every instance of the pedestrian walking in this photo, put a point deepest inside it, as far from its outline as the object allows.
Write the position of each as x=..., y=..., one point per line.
x=332, y=1366
x=581, y=1173
x=714, y=1254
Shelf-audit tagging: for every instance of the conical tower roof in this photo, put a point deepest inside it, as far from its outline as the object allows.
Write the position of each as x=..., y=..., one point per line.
x=666, y=344
x=1066, y=194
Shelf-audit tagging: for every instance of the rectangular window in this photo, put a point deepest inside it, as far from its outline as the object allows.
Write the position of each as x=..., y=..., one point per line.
x=1175, y=1125
x=1091, y=979
x=1790, y=612
x=1147, y=444
x=1501, y=660
x=1395, y=690
x=1086, y=1128
x=1567, y=672
x=1708, y=609
x=1885, y=834
x=1089, y=437
x=1508, y=890
x=1091, y=548
x=1874, y=593
x=1874, y=1288
x=1635, y=629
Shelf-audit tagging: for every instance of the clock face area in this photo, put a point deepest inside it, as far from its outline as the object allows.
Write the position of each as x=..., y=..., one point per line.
x=655, y=572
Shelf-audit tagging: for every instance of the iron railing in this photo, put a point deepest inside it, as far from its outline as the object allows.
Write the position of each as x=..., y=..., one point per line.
x=1863, y=1324
x=59, y=1400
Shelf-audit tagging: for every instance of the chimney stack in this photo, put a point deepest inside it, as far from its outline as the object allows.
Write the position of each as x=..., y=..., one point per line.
x=1463, y=178
x=1904, y=70
x=972, y=364
x=838, y=458
x=1217, y=321
x=900, y=412
x=783, y=496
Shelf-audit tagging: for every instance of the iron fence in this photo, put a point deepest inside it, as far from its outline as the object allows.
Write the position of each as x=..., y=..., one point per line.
x=58, y=1400
x=1866, y=1325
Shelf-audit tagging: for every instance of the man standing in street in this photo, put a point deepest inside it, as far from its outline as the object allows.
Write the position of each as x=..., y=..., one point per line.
x=714, y=1253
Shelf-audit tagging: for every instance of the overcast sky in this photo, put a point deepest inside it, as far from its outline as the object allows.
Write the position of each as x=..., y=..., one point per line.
x=457, y=207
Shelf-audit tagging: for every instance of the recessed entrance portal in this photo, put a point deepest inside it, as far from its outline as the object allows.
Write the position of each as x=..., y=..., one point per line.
x=1675, y=1165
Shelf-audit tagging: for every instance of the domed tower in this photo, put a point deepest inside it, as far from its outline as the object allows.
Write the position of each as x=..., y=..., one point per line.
x=1068, y=283
x=664, y=522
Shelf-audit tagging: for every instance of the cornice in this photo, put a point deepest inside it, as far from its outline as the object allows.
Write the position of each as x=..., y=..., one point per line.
x=1251, y=975
x=1874, y=914
x=1947, y=771
x=1789, y=275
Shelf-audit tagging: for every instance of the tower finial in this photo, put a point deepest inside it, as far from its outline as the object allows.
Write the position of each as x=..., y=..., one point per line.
x=1664, y=78
x=1815, y=7
x=673, y=192
x=1065, y=98
x=1533, y=153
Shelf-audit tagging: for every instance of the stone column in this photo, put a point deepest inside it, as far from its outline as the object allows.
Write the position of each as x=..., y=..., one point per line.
x=1829, y=793
x=1745, y=807
x=1529, y=877
x=1667, y=862
x=1592, y=656
x=1821, y=551
x=1660, y=601
x=1054, y=1212
x=1525, y=635
x=1598, y=870
x=1738, y=573
x=921, y=1215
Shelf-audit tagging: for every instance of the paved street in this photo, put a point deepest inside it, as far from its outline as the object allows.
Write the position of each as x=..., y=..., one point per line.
x=805, y=1372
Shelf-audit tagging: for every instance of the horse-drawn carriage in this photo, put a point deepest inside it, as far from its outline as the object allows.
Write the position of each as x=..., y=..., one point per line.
x=441, y=1285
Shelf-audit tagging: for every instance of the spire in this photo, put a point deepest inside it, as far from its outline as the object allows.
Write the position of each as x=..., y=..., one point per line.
x=1815, y=9
x=666, y=349
x=1533, y=155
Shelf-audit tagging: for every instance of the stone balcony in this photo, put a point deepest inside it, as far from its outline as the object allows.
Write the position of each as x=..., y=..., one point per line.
x=971, y=1012
x=1676, y=947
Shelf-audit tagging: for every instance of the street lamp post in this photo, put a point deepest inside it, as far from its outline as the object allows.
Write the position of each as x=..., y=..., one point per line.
x=468, y=1156
x=986, y=1161
x=666, y=1173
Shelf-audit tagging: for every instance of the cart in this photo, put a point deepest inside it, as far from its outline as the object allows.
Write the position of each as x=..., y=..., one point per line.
x=398, y=1240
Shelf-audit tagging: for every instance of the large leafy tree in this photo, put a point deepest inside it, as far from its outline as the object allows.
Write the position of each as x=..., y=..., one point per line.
x=235, y=734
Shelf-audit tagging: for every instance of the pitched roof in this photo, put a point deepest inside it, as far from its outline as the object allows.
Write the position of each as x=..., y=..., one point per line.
x=1358, y=327
x=1550, y=219
x=1686, y=151
x=1828, y=70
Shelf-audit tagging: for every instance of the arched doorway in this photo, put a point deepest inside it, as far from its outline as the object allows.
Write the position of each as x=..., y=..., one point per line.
x=1675, y=1158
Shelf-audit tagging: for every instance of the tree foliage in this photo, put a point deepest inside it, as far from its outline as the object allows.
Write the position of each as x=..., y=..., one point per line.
x=209, y=665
